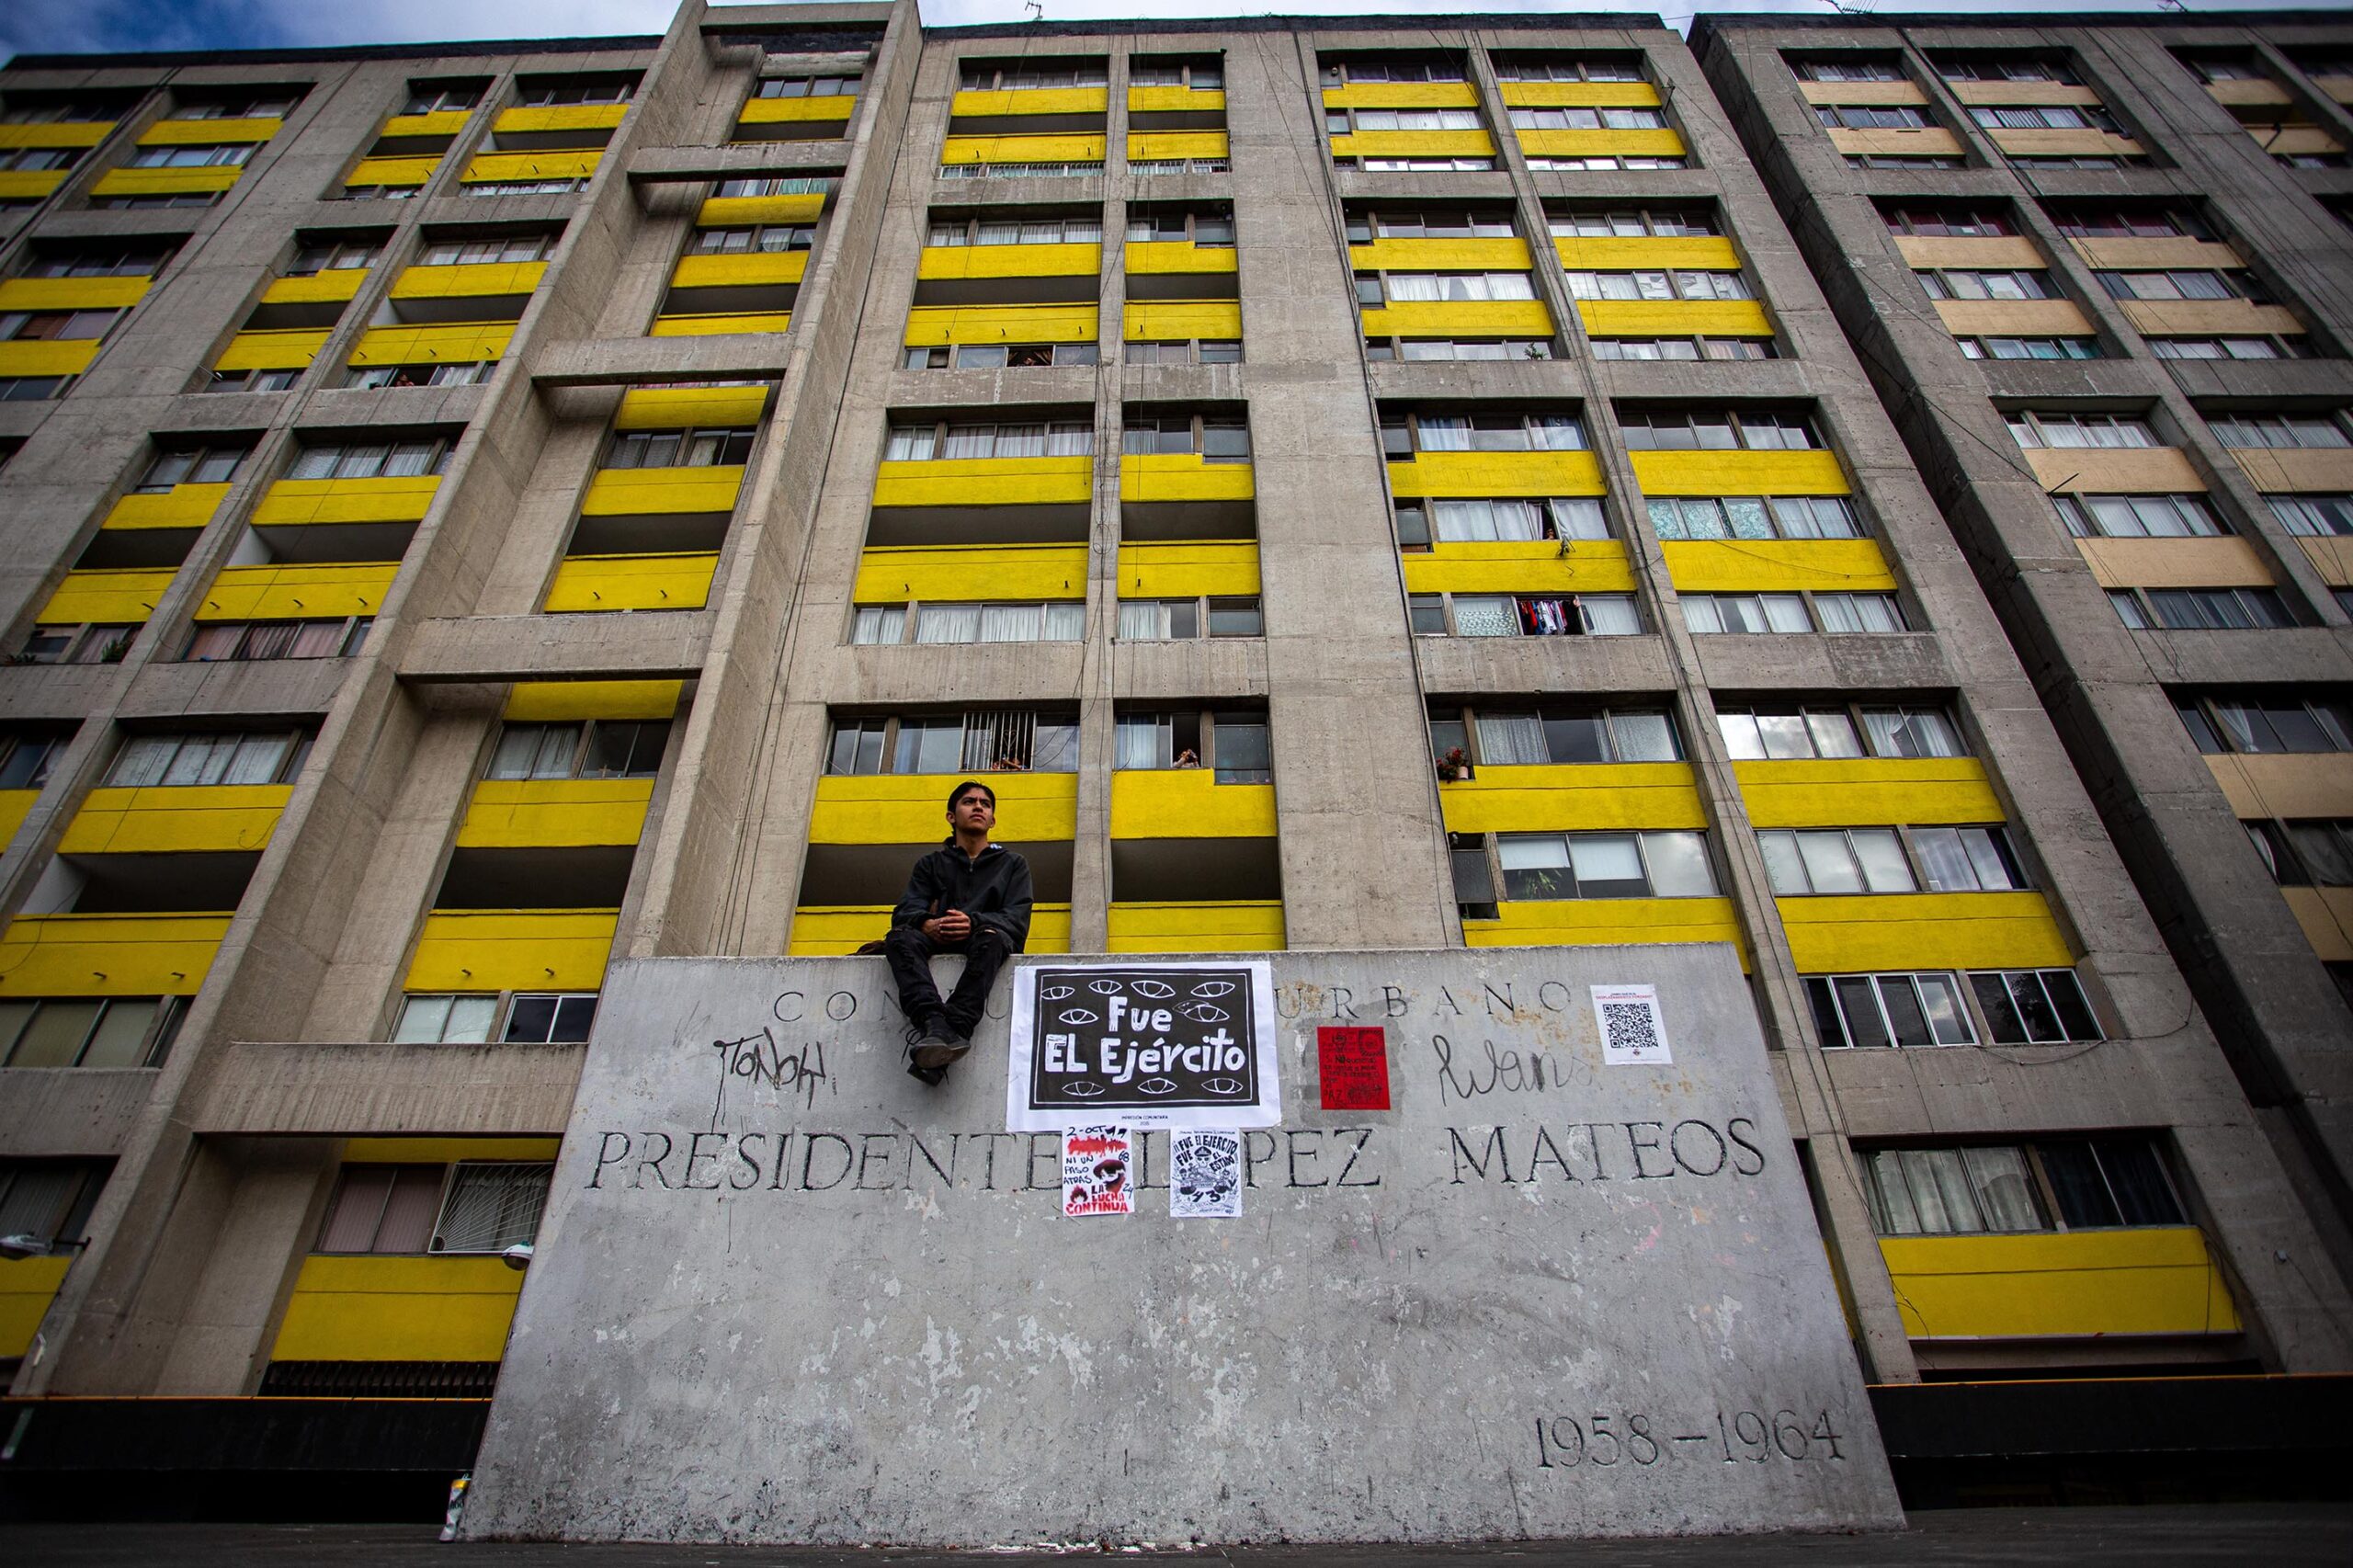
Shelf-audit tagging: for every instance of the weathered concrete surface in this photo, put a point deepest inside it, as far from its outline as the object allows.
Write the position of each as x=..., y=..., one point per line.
x=891, y=1334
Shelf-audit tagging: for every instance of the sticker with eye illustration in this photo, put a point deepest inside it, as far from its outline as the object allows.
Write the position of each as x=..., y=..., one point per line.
x=1145, y=1044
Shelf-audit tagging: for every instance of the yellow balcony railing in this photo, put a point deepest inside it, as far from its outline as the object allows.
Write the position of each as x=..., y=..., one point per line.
x=678, y=580
x=1831, y=791
x=1739, y=473
x=397, y=499
x=1157, y=147
x=1415, y=145
x=125, y=598
x=26, y=1287
x=908, y=808
x=1791, y=566
x=1229, y=926
x=553, y=701
x=1176, y=100
x=1559, y=798
x=58, y=133
x=760, y=269
x=1521, y=566
x=393, y=171
x=73, y=293
x=1185, y=570
x=398, y=1309
x=288, y=348
x=833, y=112
x=109, y=955
x=1403, y=94
x=1183, y=476
x=1076, y=148
x=1170, y=320
x=334, y=286
x=1163, y=258
x=834, y=930
x=456, y=343
x=58, y=357
x=559, y=117
x=1451, y=318
x=440, y=122
x=176, y=821
x=210, y=132
x=1494, y=252
x=789, y=207
x=985, y=481
x=1846, y=933
x=720, y=323
x=297, y=593
x=1661, y=143
x=2077, y=1284
x=181, y=507
x=961, y=263
x=1601, y=922
x=681, y=408
x=513, y=949
x=165, y=182
x=638, y=492
x=474, y=280
x=31, y=184
x=1679, y=318
x=1188, y=802
x=1483, y=476
x=1580, y=95
x=555, y=813
x=1008, y=101
x=556, y=163
x=889, y=574
x=15, y=806
x=932, y=325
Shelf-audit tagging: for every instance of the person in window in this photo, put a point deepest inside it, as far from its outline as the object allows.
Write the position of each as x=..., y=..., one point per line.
x=968, y=896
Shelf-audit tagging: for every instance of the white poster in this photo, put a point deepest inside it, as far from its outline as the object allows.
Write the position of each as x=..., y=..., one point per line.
x=1098, y=1170
x=1633, y=1034
x=1204, y=1175
x=1142, y=1045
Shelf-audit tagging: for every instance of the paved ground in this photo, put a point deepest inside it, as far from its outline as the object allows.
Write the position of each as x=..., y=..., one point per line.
x=2269, y=1535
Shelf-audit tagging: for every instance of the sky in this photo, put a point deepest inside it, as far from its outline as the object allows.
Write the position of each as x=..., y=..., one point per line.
x=91, y=26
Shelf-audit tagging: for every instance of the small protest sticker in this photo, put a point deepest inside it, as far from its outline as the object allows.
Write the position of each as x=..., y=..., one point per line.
x=1204, y=1175
x=1633, y=1034
x=1097, y=1164
x=1352, y=1067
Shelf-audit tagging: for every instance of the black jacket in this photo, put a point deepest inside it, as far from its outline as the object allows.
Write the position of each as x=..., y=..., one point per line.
x=994, y=890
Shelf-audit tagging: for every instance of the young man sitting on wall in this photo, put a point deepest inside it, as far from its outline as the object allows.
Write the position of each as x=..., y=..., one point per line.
x=968, y=896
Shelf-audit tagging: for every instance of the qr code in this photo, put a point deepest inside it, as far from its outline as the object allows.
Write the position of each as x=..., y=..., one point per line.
x=1632, y=1026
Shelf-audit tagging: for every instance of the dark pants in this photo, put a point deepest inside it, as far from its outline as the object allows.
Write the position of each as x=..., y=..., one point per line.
x=910, y=952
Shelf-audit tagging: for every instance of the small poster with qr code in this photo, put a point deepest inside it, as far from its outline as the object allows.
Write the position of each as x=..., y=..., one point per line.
x=1631, y=1032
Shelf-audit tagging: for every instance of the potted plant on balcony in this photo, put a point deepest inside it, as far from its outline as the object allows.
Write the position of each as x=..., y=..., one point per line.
x=1453, y=765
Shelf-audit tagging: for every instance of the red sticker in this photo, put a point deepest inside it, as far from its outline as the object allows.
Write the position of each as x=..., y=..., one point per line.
x=1352, y=1065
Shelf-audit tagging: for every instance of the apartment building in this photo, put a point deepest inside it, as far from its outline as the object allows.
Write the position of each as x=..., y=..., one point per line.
x=480, y=512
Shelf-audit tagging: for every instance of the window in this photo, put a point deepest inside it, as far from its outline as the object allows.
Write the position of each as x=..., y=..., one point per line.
x=150, y=761
x=1874, y=116
x=1085, y=229
x=1902, y=161
x=2262, y=725
x=272, y=106
x=1202, y=74
x=776, y=184
x=1056, y=621
x=191, y=465
x=1524, y=614
x=186, y=155
x=1512, y=518
x=1755, y=516
x=1339, y=73
x=2305, y=854
x=2132, y=223
x=391, y=193
x=1777, y=733
x=2072, y=1184
x=50, y=1201
x=2046, y=117
x=251, y=381
x=1562, y=735
x=927, y=442
x=1568, y=67
x=1949, y=222
x=371, y=459
x=1200, y=351
x=1597, y=161
x=715, y=446
x=594, y=748
x=2184, y=283
x=1430, y=223
x=1339, y=121
x=41, y=327
x=243, y=640
x=2030, y=348
x=2033, y=429
x=2279, y=430
x=1375, y=288
x=1162, y=620
x=2138, y=516
x=2009, y=68
x=28, y=110
x=495, y=187
x=2289, y=347
x=1027, y=75
x=1799, y=862
x=1840, y=614
x=26, y=758
x=464, y=1018
x=88, y=1031
x=2034, y=1007
x=32, y=388
x=1684, y=349
x=1216, y=438
x=1605, y=865
x=1588, y=119
x=1662, y=283
x=442, y=98
x=550, y=92
x=753, y=239
x=1716, y=430
x=807, y=88
x=1437, y=348
x=1402, y=434
x=1881, y=1010
x=441, y=373
x=472, y=1206
x=1002, y=356
x=1961, y=283
x=497, y=249
x=2199, y=609
x=1005, y=739
x=119, y=259
x=1846, y=68
x=2313, y=517
x=1209, y=228
x=549, y=1018
x=86, y=644
x=1632, y=222
x=1027, y=171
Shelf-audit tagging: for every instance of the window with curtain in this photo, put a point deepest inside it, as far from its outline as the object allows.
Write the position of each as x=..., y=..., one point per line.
x=492, y=1207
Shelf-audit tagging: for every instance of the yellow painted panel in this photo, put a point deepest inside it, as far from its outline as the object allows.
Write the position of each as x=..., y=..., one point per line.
x=1739, y=473
x=764, y=269
x=1613, y=250
x=57, y=133
x=2139, y=471
x=560, y=117
x=720, y=325
x=75, y=293
x=985, y=481
x=1970, y=251
x=638, y=492
x=555, y=813
x=440, y=122
x=1674, y=318
x=473, y=280
x=104, y=597
x=398, y=499
x=1573, y=923
x=1833, y=791
x=1660, y=143
x=1147, y=146
x=67, y=357
x=1763, y=566
x=891, y=574
x=1187, y=570
x=446, y=1151
x=109, y=955
x=1076, y=148
x=2261, y=92
x=733, y=211
x=26, y=1287
x=911, y=808
x=2327, y=915
x=2290, y=469
x=681, y=408
x=796, y=111
x=331, y=287
x=285, y=349
x=1841, y=934
x=2019, y=318
x=404, y=171
x=2063, y=144
x=584, y=583
x=931, y=326
x=1450, y=318
x=513, y=949
x=1161, y=257
x=2201, y=317
x=1158, y=321
x=2077, y=1283
x=399, y=1309
x=1183, y=476
x=31, y=184
x=1558, y=798
x=296, y=593
x=962, y=263
x=549, y=701
x=550, y=165
x=1481, y=475
x=1403, y=94
x=159, y=820
x=1935, y=143
x=210, y=132
x=1188, y=802
x=1580, y=95
x=182, y=506
x=2285, y=784
x=458, y=343
x=1228, y=926
x=1175, y=100
x=165, y=182
x=15, y=806
x=1415, y=145
x=1030, y=100
x=1862, y=92
x=2175, y=251
x=2289, y=139
x=1521, y=566
x=837, y=930
x=2332, y=559
x=2225, y=563
x=1495, y=253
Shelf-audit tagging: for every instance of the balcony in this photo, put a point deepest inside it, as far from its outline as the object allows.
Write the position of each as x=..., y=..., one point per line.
x=105, y=598
x=1605, y=922
x=1073, y=152
x=1741, y=474
x=328, y=592
x=1933, y=143
x=2283, y=784
x=486, y=168
x=109, y=955
x=159, y=182
x=454, y=1308
x=1180, y=321
x=311, y=502
x=866, y=832
x=795, y=119
x=1560, y=798
x=393, y=173
x=894, y=574
x=2196, y=318
x=669, y=580
x=33, y=184
x=15, y=806
x=662, y=492
x=1658, y=143
x=837, y=930
x=519, y=813
x=2070, y=1284
x=932, y=326
x=1187, y=570
x=750, y=292
x=996, y=273
x=513, y=949
x=2227, y=561
x=336, y=286
x=1178, y=146
x=1839, y=934
x=784, y=207
x=182, y=506
x=73, y=293
x=683, y=408
x=1829, y=792
x=61, y=357
x=957, y=483
x=58, y=133
x=1777, y=565
x=284, y=348
x=977, y=110
x=2019, y=318
x=1542, y=567
x=1486, y=475
x=1218, y=925
x=211, y=132
x=178, y=820
x=2132, y=471
x=460, y=343
x=478, y=292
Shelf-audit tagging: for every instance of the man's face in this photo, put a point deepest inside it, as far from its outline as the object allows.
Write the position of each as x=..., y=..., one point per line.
x=972, y=813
